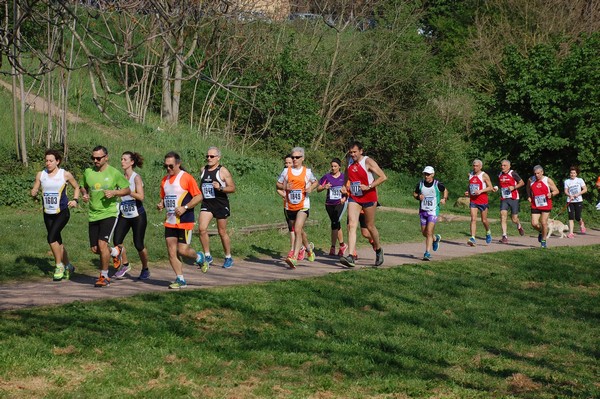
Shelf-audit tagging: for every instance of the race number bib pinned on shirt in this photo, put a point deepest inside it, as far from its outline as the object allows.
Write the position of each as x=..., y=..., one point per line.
x=473, y=188
x=208, y=190
x=355, y=188
x=51, y=202
x=335, y=193
x=129, y=209
x=506, y=193
x=428, y=204
x=540, y=201
x=170, y=205
x=295, y=196
x=574, y=190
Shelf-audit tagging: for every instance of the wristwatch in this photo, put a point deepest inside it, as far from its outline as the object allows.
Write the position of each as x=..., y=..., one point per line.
x=186, y=207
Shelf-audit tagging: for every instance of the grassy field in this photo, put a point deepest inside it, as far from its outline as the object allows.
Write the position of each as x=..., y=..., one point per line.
x=520, y=325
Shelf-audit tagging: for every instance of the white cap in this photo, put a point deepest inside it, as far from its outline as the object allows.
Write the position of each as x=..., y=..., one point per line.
x=428, y=170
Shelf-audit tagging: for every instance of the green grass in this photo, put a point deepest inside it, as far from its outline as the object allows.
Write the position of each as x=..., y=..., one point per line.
x=523, y=324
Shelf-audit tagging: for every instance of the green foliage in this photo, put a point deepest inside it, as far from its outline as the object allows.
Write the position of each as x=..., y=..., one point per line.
x=545, y=109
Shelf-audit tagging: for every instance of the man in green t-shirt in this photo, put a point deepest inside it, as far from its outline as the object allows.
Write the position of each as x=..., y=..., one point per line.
x=100, y=187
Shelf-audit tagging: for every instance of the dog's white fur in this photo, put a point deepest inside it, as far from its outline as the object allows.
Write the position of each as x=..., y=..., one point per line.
x=558, y=227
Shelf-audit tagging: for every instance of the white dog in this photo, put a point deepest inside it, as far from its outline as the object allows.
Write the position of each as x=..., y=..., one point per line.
x=558, y=227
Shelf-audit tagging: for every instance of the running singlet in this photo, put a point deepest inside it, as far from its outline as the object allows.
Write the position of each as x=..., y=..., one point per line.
x=130, y=207
x=476, y=183
x=357, y=175
x=296, y=198
x=539, y=197
x=54, y=192
x=432, y=196
x=178, y=191
x=511, y=178
x=96, y=182
x=209, y=194
x=334, y=194
x=574, y=187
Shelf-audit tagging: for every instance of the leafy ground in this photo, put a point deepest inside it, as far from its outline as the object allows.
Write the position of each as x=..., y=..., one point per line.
x=521, y=324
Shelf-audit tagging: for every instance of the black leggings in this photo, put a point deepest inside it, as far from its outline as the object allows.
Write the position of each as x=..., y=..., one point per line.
x=137, y=224
x=335, y=213
x=574, y=210
x=55, y=223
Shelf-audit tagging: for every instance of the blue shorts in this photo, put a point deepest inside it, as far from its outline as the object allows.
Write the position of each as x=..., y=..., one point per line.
x=363, y=204
x=481, y=207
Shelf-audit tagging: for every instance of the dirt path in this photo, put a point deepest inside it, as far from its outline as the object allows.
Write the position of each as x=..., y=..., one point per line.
x=255, y=270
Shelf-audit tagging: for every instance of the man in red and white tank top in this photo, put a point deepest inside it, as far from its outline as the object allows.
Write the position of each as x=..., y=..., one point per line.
x=363, y=175
x=540, y=190
x=510, y=182
x=479, y=185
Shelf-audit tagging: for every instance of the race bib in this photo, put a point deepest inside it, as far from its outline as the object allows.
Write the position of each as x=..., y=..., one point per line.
x=295, y=196
x=473, y=188
x=355, y=188
x=51, y=202
x=428, y=204
x=129, y=209
x=208, y=190
x=170, y=205
x=506, y=193
x=335, y=193
x=540, y=201
x=574, y=190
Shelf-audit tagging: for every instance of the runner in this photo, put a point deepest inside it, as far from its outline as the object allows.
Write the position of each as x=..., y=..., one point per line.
x=510, y=182
x=298, y=182
x=132, y=216
x=53, y=182
x=479, y=186
x=335, y=204
x=179, y=194
x=101, y=186
x=216, y=183
x=431, y=193
x=540, y=190
x=574, y=189
x=287, y=163
x=364, y=175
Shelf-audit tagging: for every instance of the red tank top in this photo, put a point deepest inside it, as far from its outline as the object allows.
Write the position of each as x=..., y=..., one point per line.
x=476, y=183
x=357, y=175
x=539, y=194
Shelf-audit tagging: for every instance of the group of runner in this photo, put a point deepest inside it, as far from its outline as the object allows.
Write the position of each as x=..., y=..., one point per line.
x=116, y=206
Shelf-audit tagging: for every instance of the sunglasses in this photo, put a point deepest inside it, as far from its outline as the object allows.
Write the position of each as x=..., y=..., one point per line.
x=167, y=166
x=98, y=158
x=296, y=157
x=211, y=156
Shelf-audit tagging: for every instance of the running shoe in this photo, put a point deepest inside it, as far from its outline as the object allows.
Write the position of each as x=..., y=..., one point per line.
x=544, y=245
x=123, y=270
x=290, y=254
x=570, y=235
x=144, y=274
x=582, y=227
x=59, y=272
x=199, y=259
x=504, y=240
x=206, y=264
x=343, y=249
x=332, y=250
x=488, y=238
x=471, y=242
x=540, y=237
x=436, y=242
x=520, y=228
x=301, y=253
x=311, y=247
x=69, y=270
x=426, y=256
x=102, y=281
x=228, y=263
x=347, y=261
x=291, y=262
x=177, y=284
x=117, y=259
x=311, y=256
x=379, y=257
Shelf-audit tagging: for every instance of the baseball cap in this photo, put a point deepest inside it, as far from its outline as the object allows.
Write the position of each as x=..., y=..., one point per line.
x=428, y=170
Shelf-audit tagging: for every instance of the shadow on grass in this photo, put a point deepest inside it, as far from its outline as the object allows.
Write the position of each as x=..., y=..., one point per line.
x=43, y=264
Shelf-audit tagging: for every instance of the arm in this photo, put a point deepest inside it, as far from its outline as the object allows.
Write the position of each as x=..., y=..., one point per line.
x=375, y=169
x=323, y=184
x=311, y=186
x=553, y=190
x=488, y=183
x=445, y=194
x=528, y=189
x=138, y=192
x=76, y=191
x=519, y=184
x=117, y=193
x=36, y=185
x=229, y=187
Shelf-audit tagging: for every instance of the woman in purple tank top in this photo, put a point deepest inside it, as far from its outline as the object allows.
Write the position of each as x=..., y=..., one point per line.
x=335, y=204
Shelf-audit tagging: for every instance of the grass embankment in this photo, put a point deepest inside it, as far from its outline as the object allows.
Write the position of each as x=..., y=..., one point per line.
x=521, y=324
